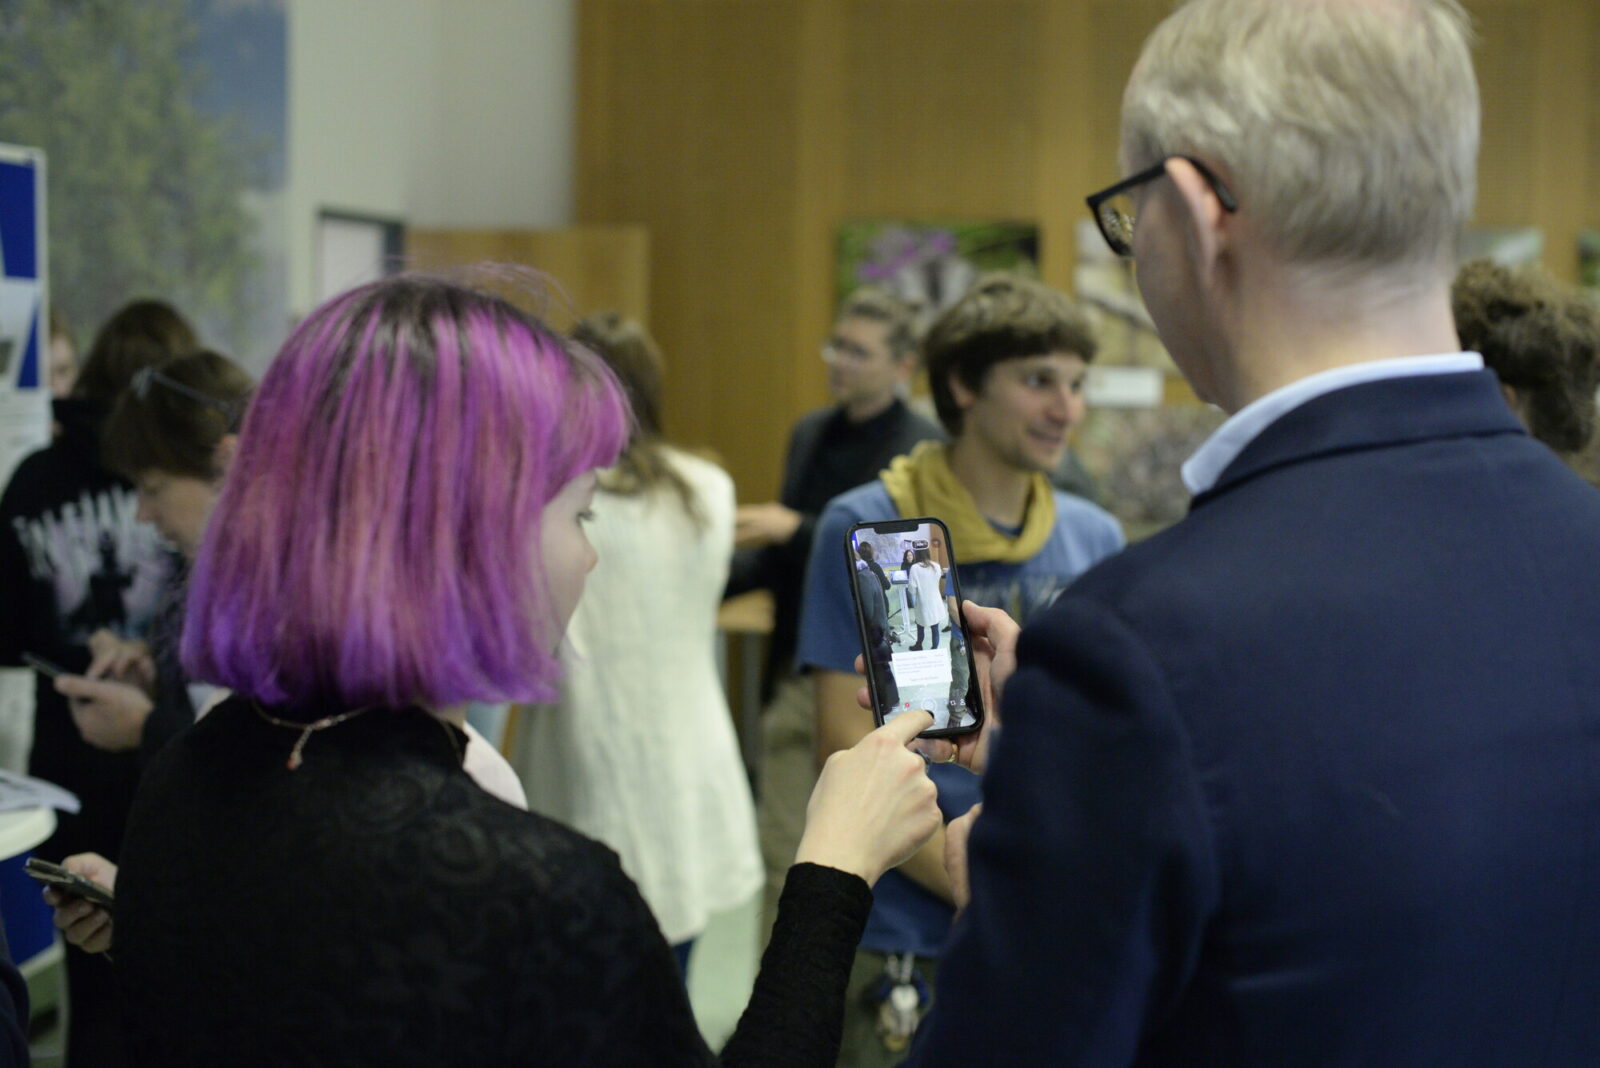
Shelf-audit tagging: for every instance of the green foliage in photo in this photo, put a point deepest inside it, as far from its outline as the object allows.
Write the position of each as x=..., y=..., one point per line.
x=144, y=191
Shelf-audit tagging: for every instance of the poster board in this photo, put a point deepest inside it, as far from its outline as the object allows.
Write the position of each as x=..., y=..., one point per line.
x=24, y=380
x=24, y=311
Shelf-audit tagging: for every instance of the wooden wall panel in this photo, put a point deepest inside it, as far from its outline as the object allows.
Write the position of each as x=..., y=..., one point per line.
x=1062, y=116
x=940, y=118
x=741, y=132
x=1118, y=30
x=592, y=268
x=695, y=105
x=1509, y=90
x=1589, y=92
x=1539, y=78
x=1566, y=191
x=821, y=199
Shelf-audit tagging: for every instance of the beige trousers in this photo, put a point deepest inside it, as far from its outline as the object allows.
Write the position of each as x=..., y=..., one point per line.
x=788, y=771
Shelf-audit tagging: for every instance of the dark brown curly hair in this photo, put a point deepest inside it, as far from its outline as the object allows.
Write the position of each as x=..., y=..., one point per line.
x=1003, y=316
x=1542, y=339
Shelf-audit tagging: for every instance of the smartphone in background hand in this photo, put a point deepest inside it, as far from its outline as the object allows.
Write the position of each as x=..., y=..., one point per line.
x=913, y=635
x=71, y=883
x=43, y=666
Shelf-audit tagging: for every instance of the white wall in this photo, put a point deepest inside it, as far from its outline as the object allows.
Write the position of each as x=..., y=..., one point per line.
x=438, y=112
x=508, y=96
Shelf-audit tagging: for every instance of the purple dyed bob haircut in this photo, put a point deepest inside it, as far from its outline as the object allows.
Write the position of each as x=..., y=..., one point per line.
x=376, y=540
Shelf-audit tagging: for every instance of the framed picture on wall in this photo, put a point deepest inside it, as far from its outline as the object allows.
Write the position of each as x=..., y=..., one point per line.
x=930, y=263
x=353, y=249
x=1589, y=259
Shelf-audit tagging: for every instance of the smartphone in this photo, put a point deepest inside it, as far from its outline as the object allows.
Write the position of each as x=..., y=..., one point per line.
x=43, y=666
x=59, y=878
x=913, y=633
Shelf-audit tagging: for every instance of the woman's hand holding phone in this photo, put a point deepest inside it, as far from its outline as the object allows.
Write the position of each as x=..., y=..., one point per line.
x=83, y=924
x=109, y=715
x=874, y=804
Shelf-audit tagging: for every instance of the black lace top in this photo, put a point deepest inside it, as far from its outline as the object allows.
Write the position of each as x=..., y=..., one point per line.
x=376, y=907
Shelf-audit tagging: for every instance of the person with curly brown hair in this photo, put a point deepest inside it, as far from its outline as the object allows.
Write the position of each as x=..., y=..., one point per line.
x=1543, y=342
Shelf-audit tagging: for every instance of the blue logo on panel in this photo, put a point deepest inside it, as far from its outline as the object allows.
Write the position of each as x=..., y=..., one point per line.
x=20, y=286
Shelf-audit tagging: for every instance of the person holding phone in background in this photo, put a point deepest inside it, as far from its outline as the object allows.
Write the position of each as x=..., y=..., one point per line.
x=1006, y=366
x=74, y=560
x=172, y=434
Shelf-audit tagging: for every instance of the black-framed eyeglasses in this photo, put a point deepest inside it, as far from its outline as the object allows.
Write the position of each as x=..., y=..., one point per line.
x=145, y=377
x=841, y=348
x=1113, y=207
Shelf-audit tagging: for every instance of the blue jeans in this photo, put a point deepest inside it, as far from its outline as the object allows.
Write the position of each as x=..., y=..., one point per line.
x=682, y=951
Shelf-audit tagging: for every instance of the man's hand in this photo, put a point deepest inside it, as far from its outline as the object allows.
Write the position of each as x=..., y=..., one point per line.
x=121, y=660
x=109, y=715
x=956, y=833
x=764, y=524
x=994, y=648
x=84, y=925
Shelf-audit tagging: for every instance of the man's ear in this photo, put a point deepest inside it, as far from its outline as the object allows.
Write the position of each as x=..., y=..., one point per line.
x=1514, y=400
x=959, y=391
x=905, y=366
x=1209, y=223
x=222, y=455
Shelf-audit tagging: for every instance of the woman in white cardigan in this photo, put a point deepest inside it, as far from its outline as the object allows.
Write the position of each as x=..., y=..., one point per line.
x=926, y=578
x=641, y=753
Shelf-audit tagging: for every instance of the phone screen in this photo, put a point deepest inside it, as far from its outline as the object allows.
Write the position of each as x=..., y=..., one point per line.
x=908, y=610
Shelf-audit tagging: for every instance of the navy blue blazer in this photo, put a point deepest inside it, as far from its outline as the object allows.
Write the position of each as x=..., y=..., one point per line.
x=1312, y=777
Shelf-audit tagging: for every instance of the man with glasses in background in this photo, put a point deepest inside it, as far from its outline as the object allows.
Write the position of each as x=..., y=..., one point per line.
x=1311, y=777
x=871, y=357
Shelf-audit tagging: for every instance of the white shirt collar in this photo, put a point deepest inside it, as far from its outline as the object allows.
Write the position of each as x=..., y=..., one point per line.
x=1201, y=471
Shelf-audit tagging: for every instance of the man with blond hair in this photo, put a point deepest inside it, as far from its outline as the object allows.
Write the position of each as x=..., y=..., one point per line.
x=1311, y=777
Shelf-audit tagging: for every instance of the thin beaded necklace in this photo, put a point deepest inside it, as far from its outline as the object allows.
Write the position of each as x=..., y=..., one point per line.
x=305, y=729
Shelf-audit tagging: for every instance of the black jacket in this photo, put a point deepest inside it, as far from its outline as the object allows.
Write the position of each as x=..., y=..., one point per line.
x=376, y=906
x=827, y=456
x=1310, y=777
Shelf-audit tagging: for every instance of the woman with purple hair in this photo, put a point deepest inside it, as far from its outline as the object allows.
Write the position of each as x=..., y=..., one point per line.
x=309, y=876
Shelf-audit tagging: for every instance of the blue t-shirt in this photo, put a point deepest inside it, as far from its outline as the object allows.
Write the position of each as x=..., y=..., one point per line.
x=904, y=915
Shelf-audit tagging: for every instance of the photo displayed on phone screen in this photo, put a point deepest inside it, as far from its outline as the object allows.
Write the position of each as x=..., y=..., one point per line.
x=908, y=607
